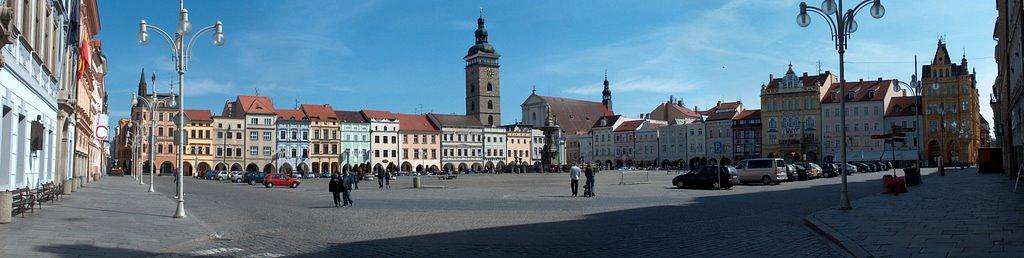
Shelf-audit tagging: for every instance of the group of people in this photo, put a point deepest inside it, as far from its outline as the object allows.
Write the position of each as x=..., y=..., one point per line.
x=341, y=187
x=574, y=180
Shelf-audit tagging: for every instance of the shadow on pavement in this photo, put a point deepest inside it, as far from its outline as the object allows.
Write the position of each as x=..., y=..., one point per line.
x=82, y=250
x=762, y=223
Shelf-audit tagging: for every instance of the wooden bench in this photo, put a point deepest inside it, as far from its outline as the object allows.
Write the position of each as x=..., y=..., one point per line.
x=447, y=177
x=48, y=192
x=24, y=200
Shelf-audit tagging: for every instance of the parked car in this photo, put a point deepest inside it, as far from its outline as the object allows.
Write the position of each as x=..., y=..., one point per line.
x=767, y=171
x=210, y=174
x=850, y=169
x=708, y=177
x=791, y=172
x=221, y=175
x=235, y=176
x=252, y=178
x=861, y=167
x=278, y=179
x=829, y=170
x=807, y=171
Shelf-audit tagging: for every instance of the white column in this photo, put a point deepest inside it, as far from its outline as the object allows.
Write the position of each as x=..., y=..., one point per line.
x=6, y=151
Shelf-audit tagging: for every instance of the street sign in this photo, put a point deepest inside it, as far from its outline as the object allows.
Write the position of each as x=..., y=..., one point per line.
x=882, y=136
x=894, y=140
x=902, y=130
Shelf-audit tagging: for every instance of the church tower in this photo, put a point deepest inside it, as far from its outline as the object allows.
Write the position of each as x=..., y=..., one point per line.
x=143, y=87
x=606, y=94
x=483, y=91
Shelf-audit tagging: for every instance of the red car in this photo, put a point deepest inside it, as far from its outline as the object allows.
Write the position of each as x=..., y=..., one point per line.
x=280, y=180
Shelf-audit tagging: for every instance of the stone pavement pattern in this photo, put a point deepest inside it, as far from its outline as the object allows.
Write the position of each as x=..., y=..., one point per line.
x=963, y=214
x=113, y=217
x=516, y=215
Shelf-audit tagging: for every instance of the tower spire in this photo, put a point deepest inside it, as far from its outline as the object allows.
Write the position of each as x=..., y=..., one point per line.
x=142, y=83
x=606, y=94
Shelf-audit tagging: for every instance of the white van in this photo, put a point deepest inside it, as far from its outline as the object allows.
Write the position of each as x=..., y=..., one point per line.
x=766, y=171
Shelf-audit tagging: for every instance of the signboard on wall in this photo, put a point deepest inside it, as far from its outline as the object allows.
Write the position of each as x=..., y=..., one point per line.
x=102, y=127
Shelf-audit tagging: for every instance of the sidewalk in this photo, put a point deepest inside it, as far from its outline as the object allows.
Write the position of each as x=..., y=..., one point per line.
x=111, y=217
x=963, y=214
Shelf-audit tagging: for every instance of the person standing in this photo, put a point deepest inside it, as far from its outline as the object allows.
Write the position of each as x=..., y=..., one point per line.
x=589, y=188
x=574, y=179
x=347, y=180
x=387, y=180
x=357, y=176
x=380, y=179
x=334, y=186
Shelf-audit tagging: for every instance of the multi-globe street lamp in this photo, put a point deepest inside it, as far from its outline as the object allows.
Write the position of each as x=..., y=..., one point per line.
x=181, y=51
x=151, y=104
x=841, y=25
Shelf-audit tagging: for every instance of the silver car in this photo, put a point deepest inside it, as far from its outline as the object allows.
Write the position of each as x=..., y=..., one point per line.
x=222, y=175
x=235, y=176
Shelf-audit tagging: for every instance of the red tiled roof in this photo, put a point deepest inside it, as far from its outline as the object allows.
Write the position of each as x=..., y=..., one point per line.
x=627, y=126
x=256, y=105
x=319, y=112
x=454, y=120
x=203, y=115
x=727, y=115
x=415, y=123
x=606, y=121
x=575, y=116
x=349, y=116
x=290, y=115
x=903, y=106
x=674, y=108
x=808, y=80
x=378, y=114
x=748, y=114
x=860, y=90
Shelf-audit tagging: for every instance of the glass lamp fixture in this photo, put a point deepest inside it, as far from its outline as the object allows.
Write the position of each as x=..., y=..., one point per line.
x=143, y=35
x=803, y=19
x=183, y=24
x=877, y=10
x=828, y=7
x=218, y=35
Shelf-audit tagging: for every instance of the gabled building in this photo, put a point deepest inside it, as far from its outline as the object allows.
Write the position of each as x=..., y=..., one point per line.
x=866, y=103
x=325, y=138
x=950, y=102
x=790, y=111
x=355, y=140
x=198, y=156
x=292, y=155
x=603, y=140
x=384, y=127
x=696, y=141
x=905, y=112
x=746, y=135
x=518, y=143
x=260, y=125
x=229, y=141
x=462, y=142
x=420, y=144
x=718, y=131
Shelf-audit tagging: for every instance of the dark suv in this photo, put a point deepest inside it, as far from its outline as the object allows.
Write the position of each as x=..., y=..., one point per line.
x=708, y=177
x=252, y=178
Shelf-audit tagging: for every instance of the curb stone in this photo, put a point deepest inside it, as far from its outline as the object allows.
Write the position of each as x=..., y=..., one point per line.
x=850, y=247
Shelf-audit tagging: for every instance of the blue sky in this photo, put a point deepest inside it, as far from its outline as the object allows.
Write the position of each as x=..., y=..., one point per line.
x=406, y=56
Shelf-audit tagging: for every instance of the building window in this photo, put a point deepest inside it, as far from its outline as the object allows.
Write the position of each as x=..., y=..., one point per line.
x=266, y=151
x=253, y=151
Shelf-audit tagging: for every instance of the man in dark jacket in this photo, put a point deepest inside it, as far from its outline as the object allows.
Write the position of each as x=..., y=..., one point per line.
x=335, y=187
x=347, y=180
x=589, y=185
x=380, y=179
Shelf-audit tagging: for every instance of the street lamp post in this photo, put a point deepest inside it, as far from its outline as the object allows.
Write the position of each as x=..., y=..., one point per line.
x=181, y=51
x=841, y=25
x=150, y=104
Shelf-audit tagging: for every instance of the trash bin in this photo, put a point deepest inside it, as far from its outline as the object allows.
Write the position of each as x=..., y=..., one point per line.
x=913, y=176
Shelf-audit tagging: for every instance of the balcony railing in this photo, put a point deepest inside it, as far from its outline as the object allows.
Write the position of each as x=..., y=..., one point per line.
x=27, y=67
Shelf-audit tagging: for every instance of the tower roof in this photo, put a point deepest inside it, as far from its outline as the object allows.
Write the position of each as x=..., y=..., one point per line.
x=143, y=87
x=481, y=38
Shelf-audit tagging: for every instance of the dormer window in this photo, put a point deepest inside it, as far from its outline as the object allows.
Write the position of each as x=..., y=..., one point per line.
x=871, y=94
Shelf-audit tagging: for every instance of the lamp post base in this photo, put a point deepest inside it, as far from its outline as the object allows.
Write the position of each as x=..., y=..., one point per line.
x=151, y=188
x=179, y=213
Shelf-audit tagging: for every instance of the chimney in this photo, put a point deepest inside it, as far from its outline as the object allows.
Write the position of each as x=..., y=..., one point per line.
x=679, y=102
x=671, y=98
x=879, y=79
x=770, y=77
x=862, y=80
x=805, y=74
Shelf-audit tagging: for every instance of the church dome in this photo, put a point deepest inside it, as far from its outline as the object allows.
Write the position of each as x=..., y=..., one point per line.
x=482, y=47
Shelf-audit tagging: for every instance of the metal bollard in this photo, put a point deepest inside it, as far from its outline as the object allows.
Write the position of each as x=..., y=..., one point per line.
x=6, y=207
x=416, y=182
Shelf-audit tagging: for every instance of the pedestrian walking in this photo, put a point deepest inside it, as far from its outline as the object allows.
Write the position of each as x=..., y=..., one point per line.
x=358, y=176
x=387, y=180
x=380, y=180
x=334, y=186
x=347, y=180
x=574, y=179
x=589, y=188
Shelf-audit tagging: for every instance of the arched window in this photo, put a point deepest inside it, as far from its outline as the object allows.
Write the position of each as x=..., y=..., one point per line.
x=490, y=120
x=489, y=87
x=490, y=105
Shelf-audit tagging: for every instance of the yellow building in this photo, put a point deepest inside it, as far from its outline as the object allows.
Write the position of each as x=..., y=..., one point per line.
x=517, y=146
x=791, y=115
x=420, y=144
x=199, y=129
x=325, y=142
x=951, y=115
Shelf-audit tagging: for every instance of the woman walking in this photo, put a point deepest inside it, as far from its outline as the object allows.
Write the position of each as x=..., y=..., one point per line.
x=334, y=186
